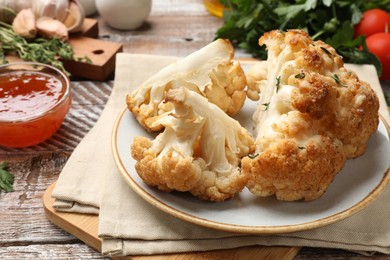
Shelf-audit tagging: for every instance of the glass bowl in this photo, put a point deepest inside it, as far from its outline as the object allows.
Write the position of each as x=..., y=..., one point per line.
x=34, y=100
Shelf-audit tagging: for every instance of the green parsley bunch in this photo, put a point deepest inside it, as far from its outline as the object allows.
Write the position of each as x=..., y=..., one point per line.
x=331, y=21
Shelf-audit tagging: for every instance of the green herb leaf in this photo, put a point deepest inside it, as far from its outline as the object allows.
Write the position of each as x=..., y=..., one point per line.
x=266, y=106
x=338, y=81
x=48, y=51
x=84, y=59
x=6, y=178
x=253, y=155
x=300, y=76
x=331, y=21
x=387, y=97
x=326, y=50
x=356, y=14
x=290, y=11
x=277, y=84
x=342, y=37
x=327, y=2
x=360, y=56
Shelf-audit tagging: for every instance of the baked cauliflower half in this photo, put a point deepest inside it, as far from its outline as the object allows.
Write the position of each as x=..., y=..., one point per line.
x=199, y=151
x=210, y=71
x=313, y=114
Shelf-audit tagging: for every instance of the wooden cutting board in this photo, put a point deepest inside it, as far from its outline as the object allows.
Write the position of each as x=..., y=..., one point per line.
x=85, y=228
x=101, y=53
x=100, y=62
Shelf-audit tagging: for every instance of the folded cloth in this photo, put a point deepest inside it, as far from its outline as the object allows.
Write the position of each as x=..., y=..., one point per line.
x=91, y=183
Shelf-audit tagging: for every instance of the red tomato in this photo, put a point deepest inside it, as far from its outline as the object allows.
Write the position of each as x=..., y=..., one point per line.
x=373, y=21
x=379, y=44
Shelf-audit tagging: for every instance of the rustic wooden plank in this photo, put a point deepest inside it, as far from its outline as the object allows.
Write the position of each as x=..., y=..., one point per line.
x=26, y=233
x=22, y=218
x=178, y=7
x=162, y=35
x=24, y=230
x=50, y=251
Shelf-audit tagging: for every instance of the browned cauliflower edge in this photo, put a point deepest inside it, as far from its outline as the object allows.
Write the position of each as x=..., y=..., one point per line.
x=199, y=151
x=313, y=114
x=210, y=71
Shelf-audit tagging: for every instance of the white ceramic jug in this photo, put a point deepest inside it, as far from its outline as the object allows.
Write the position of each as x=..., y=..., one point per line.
x=124, y=14
x=89, y=6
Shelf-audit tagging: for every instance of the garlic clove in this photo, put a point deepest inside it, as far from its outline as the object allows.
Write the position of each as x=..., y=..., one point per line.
x=36, y=6
x=75, y=18
x=61, y=9
x=48, y=8
x=22, y=4
x=24, y=24
x=16, y=5
x=51, y=28
x=70, y=12
x=57, y=9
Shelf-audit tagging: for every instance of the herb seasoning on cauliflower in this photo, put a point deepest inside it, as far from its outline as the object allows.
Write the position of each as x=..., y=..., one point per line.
x=199, y=151
x=313, y=115
x=210, y=71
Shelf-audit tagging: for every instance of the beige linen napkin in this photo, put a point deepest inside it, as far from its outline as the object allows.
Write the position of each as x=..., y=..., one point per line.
x=91, y=183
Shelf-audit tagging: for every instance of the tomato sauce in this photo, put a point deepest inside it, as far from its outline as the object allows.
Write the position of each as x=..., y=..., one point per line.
x=32, y=107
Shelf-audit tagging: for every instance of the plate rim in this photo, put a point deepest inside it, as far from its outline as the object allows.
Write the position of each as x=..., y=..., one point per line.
x=242, y=229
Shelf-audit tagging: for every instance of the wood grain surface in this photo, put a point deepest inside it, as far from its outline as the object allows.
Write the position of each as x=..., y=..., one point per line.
x=175, y=27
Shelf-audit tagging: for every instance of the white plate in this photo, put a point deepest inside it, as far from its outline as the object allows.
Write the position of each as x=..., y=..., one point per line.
x=356, y=186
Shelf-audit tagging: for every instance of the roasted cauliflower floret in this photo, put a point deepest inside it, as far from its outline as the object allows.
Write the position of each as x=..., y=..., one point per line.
x=199, y=151
x=313, y=115
x=210, y=71
x=295, y=162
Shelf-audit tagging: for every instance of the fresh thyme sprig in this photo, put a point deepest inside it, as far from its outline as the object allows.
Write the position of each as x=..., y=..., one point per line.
x=338, y=81
x=42, y=50
x=266, y=106
x=6, y=178
x=277, y=84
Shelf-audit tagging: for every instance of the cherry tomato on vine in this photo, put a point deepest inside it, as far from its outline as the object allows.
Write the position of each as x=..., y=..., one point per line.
x=379, y=44
x=373, y=21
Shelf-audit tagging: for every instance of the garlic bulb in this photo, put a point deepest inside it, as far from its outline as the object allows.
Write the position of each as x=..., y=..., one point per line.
x=69, y=12
x=16, y=5
x=75, y=16
x=51, y=28
x=24, y=24
x=51, y=8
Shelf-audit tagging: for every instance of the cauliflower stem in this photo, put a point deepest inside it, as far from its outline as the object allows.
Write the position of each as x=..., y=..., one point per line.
x=210, y=71
x=199, y=151
x=312, y=116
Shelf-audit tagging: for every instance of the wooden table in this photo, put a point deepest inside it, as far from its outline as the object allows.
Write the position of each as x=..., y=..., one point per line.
x=174, y=28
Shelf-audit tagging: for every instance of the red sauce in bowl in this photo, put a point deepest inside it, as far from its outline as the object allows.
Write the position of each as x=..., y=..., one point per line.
x=33, y=104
